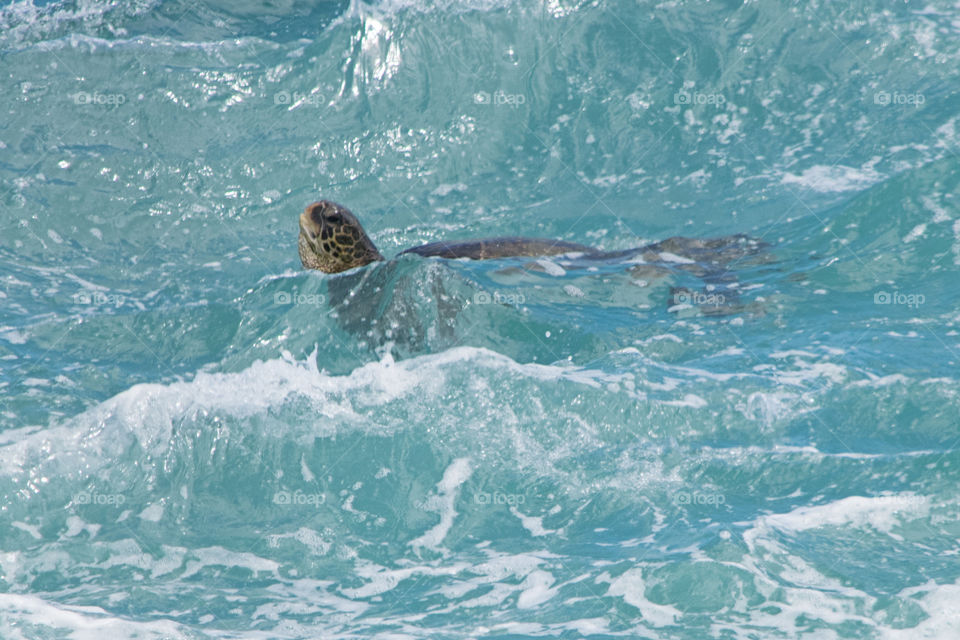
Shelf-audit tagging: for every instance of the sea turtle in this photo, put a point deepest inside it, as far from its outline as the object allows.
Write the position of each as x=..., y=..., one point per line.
x=332, y=240
x=416, y=306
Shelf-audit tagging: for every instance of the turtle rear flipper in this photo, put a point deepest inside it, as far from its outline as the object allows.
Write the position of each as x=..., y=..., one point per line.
x=724, y=251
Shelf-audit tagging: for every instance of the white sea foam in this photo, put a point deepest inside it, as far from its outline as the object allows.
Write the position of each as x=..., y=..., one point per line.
x=691, y=400
x=536, y=589
x=379, y=580
x=24, y=20
x=915, y=233
x=837, y=178
x=443, y=502
x=197, y=559
x=446, y=189
x=551, y=267
x=153, y=513
x=666, y=256
x=507, y=574
x=33, y=530
x=631, y=586
x=939, y=602
x=803, y=591
x=80, y=623
x=532, y=580
x=150, y=416
x=940, y=214
x=533, y=524
x=881, y=513
x=13, y=336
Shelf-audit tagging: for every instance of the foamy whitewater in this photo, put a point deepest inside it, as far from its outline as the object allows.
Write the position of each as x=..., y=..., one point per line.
x=199, y=439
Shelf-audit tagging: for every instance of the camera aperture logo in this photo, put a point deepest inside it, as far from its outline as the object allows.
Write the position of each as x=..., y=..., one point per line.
x=298, y=498
x=293, y=297
x=912, y=300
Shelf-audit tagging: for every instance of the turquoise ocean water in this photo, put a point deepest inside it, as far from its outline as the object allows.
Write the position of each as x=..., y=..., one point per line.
x=199, y=439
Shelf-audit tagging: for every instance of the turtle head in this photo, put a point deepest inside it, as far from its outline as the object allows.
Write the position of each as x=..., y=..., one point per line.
x=332, y=240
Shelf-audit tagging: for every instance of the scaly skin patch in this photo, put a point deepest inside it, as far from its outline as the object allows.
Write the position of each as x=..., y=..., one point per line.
x=332, y=240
